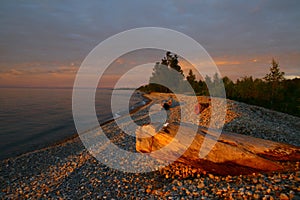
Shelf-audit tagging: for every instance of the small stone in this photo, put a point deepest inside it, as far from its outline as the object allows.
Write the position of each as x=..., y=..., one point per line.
x=187, y=192
x=266, y=197
x=283, y=197
x=292, y=194
x=179, y=183
x=256, y=196
x=277, y=180
x=201, y=185
x=261, y=180
x=211, y=176
x=258, y=186
x=254, y=180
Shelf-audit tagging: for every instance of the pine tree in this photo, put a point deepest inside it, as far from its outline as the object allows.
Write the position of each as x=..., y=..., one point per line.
x=275, y=74
x=168, y=73
x=274, y=79
x=191, y=78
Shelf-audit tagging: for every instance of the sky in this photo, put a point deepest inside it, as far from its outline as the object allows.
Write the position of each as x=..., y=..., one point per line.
x=43, y=43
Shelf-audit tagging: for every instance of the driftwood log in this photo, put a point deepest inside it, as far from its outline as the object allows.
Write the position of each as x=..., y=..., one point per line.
x=232, y=153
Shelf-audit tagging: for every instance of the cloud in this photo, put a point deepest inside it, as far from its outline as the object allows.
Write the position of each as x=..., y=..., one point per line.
x=291, y=76
x=14, y=72
x=227, y=62
x=37, y=71
x=66, y=31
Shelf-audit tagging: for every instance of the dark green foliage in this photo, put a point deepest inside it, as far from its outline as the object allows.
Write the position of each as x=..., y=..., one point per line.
x=167, y=76
x=258, y=92
x=229, y=86
x=160, y=74
x=273, y=91
x=191, y=79
x=274, y=80
x=275, y=74
x=291, y=96
x=171, y=61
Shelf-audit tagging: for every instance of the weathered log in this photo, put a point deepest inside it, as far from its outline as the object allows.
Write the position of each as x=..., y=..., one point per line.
x=231, y=154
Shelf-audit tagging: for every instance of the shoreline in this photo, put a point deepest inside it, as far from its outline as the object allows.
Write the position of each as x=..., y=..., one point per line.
x=147, y=100
x=75, y=136
x=68, y=171
x=134, y=110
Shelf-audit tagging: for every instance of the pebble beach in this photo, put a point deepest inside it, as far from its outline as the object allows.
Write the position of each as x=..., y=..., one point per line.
x=68, y=171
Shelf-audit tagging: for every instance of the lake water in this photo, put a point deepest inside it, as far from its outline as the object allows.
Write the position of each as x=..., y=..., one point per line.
x=33, y=118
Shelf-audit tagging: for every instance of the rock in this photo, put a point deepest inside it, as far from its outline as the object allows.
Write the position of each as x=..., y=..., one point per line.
x=256, y=196
x=232, y=153
x=148, y=190
x=200, y=107
x=254, y=180
x=211, y=176
x=201, y=185
x=179, y=183
x=292, y=194
x=283, y=197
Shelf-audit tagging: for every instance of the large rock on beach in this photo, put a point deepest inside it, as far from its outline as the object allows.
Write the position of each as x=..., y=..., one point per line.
x=231, y=153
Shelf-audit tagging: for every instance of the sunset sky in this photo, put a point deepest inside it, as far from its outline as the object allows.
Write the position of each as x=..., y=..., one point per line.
x=43, y=43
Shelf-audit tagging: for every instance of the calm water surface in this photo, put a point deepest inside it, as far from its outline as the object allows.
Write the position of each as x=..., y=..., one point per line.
x=34, y=118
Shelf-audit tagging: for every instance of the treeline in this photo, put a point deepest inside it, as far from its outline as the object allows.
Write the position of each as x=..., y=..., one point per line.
x=273, y=91
x=283, y=96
